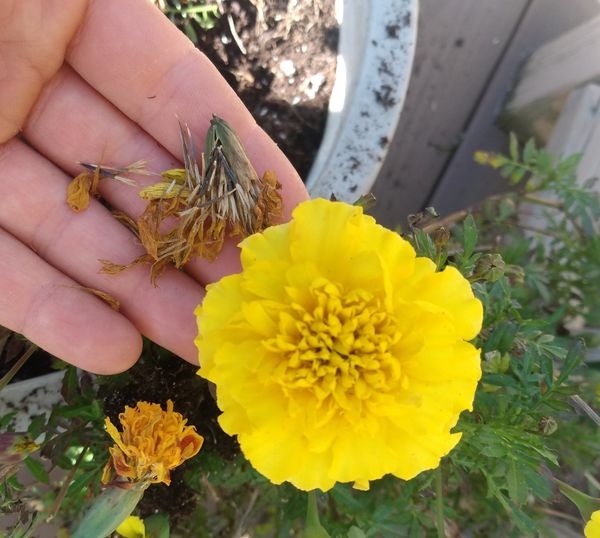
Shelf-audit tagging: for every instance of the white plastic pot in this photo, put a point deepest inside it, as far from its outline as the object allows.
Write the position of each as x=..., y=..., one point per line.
x=375, y=55
x=31, y=397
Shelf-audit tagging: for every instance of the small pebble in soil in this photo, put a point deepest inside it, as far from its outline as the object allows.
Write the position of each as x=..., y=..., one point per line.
x=287, y=67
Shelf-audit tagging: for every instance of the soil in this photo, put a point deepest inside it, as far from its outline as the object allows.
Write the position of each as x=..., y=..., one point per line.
x=280, y=60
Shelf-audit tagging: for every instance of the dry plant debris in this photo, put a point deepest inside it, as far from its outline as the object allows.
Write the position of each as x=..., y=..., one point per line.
x=215, y=196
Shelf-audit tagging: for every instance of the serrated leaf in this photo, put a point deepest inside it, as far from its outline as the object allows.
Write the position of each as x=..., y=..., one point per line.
x=517, y=487
x=530, y=152
x=574, y=357
x=342, y=496
x=545, y=163
x=470, y=235
x=569, y=165
x=502, y=337
x=500, y=380
x=423, y=244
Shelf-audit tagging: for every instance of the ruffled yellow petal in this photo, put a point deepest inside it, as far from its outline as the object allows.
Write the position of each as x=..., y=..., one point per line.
x=132, y=527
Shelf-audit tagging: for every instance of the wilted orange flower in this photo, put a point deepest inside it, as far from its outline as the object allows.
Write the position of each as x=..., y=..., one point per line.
x=338, y=354
x=152, y=443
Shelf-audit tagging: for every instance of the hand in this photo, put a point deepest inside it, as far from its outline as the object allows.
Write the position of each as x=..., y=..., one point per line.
x=102, y=81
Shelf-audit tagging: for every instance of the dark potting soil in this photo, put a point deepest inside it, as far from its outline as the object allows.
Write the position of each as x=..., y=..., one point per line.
x=279, y=56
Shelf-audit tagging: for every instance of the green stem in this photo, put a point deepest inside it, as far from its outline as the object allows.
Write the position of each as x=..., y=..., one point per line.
x=313, y=528
x=439, y=503
x=541, y=201
x=17, y=366
x=60, y=497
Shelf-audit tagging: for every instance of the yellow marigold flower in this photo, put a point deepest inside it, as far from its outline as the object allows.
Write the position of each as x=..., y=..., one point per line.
x=152, y=443
x=592, y=529
x=338, y=355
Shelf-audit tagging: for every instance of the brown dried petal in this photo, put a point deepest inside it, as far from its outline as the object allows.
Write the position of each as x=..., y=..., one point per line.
x=78, y=192
x=113, y=302
x=111, y=268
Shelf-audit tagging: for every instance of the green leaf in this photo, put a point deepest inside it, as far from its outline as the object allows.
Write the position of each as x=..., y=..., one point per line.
x=513, y=147
x=107, y=511
x=530, y=152
x=574, y=357
x=70, y=386
x=157, y=526
x=500, y=380
x=517, y=487
x=545, y=163
x=355, y=532
x=470, y=235
x=36, y=468
x=7, y=419
x=36, y=426
x=83, y=481
x=569, y=165
x=502, y=337
x=423, y=244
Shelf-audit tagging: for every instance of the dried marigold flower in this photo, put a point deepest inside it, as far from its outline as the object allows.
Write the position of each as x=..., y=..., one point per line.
x=152, y=443
x=218, y=195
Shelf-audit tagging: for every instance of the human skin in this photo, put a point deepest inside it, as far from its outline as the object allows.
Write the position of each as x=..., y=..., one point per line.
x=103, y=81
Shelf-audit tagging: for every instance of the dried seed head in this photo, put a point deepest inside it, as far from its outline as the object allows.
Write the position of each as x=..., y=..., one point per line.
x=213, y=197
x=211, y=200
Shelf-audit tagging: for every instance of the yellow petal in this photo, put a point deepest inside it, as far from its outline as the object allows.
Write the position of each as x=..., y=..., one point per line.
x=132, y=527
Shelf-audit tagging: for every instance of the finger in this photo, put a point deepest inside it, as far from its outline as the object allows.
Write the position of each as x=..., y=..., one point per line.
x=154, y=80
x=33, y=210
x=33, y=39
x=50, y=309
x=71, y=122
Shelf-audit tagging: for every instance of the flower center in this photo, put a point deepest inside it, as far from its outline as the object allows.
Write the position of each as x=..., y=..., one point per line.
x=338, y=343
